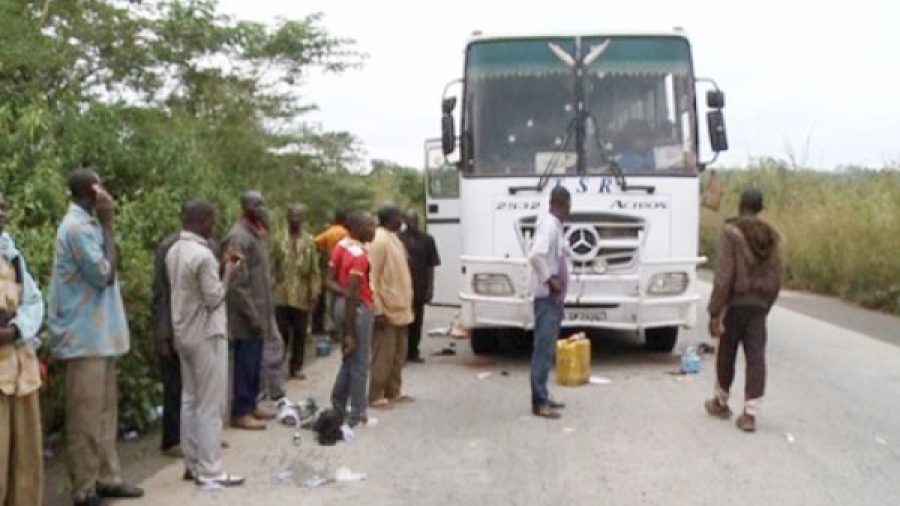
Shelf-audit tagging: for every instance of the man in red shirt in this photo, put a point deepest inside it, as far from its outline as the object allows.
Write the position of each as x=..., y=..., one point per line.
x=350, y=266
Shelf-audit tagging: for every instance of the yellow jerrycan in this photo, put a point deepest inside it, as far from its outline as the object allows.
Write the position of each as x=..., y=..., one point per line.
x=573, y=360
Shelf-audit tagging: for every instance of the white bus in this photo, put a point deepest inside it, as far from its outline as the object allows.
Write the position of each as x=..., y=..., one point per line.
x=613, y=118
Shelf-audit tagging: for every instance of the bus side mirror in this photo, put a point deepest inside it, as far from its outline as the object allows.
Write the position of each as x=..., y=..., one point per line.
x=718, y=139
x=448, y=126
x=715, y=99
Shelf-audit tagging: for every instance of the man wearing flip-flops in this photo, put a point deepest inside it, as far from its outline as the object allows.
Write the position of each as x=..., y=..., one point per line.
x=393, y=300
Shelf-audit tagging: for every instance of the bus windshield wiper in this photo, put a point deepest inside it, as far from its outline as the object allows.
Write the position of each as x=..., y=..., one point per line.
x=545, y=175
x=613, y=165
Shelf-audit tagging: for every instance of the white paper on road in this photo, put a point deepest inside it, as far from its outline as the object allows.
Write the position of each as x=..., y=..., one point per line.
x=344, y=474
x=484, y=375
x=599, y=380
x=789, y=437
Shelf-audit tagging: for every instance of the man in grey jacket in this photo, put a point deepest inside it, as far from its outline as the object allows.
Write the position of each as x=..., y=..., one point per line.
x=251, y=318
x=200, y=327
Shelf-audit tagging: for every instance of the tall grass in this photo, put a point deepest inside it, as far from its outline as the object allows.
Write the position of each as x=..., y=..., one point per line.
x=841, y=230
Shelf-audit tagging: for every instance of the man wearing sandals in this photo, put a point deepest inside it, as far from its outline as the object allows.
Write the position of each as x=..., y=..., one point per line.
x=748, y=278
x=199, y=321
x=393, y=309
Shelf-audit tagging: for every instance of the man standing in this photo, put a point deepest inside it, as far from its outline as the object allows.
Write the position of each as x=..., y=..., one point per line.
x=326, y=241
x=199, y=322
x=354, y=302
x=746, y=285
x=393, y=297
x=549, y=281
x=169, y=363
x=423, y=258
x=297, y=285
x=251, y=312
x=21, y=314
x=88, y=332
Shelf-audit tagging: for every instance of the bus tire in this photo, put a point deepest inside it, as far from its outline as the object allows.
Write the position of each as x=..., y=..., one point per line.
x=661, y=339
x=485, y=341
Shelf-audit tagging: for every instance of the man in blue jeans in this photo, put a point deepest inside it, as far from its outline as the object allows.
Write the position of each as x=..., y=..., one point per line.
x=549, y=280
x=350, y=264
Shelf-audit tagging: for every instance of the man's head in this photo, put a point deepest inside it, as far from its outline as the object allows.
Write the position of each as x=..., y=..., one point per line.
x=362, y=226
x=390, y=217
x=340, y=217
x=254, y=207
x=4, y=207
x=82, y=182
x=751, y=202
x=295, y=214
x=560, y=203
x=198, y=216
x=411, y=218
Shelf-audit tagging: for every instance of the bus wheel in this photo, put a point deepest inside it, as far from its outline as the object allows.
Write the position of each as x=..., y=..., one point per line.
x=485, y=341
x=661, y=339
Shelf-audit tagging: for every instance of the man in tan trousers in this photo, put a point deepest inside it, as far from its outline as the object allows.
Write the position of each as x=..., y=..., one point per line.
x=393, y=308
x=21, y=313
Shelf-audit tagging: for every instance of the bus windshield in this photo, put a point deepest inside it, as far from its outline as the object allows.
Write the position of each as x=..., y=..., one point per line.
x=522, y=94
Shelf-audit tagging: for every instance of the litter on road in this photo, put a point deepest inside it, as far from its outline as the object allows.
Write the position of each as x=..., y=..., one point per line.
x=569, y=430
x=345, y=475
x=599, y=380
x=790, y=437
x=445, y=352
x=484, y=375
x=438, y=331
x=881, y=441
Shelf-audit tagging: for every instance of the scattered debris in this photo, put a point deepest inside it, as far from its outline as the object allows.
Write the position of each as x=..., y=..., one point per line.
x=569, y=430
x=316, y=482
x=294, y=414
x=297, y=438
x=789, y=437
x=690, y=361
x=347, y=433
x=599, y=380
x=484, y=375
x=504, y=373
x=439, y=331
x=446, y=352
x=706, y=349
x=344, y=474
x=328, y=426
x=881, y=441
x=459, y=332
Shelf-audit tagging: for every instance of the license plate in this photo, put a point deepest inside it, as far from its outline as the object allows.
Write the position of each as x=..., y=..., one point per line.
x=585, y=315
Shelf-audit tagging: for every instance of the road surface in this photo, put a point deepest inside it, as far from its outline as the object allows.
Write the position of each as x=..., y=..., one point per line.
x=829, y=432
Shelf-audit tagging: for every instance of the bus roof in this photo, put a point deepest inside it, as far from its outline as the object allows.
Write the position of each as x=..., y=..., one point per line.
x=477, y=36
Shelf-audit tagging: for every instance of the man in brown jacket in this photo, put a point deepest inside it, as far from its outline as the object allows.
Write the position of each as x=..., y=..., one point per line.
x=747, y=281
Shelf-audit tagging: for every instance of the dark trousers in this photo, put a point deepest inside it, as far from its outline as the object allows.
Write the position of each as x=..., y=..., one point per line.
x=744, y=325
x=292, y=326
x=318, y=315
x=247, y=363
x=548, y=315
x=415, y=331
x=170, y=372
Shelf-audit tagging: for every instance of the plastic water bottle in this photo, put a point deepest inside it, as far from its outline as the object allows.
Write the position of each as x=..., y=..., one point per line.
x=690, y=361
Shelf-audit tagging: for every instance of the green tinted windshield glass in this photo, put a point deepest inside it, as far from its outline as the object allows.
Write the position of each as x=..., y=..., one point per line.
x=520, y=105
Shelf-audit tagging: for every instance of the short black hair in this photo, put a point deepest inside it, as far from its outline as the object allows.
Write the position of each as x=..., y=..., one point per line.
x=752, y=200
x=250, y=196
x=196, y=211
x=357, y=220
x=388, y=212
x=560, y=195
x=82, y=181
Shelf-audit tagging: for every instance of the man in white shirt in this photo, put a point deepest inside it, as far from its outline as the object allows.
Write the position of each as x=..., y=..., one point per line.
x=200, y=324
x=549, y=281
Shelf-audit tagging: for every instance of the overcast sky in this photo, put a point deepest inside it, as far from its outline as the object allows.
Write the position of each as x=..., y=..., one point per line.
x=800, y=76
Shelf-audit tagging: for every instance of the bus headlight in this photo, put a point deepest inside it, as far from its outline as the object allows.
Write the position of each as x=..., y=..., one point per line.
x=494, y=285
x=668, y=283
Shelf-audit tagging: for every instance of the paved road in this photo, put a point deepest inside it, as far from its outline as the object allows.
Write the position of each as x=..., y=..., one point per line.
x=829, y=434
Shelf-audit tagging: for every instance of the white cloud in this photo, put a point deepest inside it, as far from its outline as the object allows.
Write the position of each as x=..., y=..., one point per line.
x=791, y=70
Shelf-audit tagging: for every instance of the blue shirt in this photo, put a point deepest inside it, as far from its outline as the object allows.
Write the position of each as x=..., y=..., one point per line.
x=86, y=316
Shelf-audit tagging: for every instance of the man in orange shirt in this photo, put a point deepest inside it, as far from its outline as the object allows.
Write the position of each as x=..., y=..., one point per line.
x=326, y=242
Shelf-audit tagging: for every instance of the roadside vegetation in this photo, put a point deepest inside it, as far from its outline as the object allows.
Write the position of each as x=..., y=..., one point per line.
x=167, y=100
x=841, y=229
